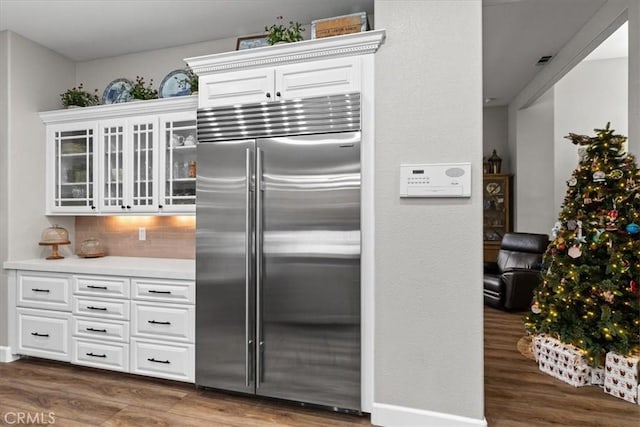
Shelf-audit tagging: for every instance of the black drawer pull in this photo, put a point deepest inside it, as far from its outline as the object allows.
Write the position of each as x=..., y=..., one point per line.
x=153, y=291
x=151, y=359
x=97, y=287
x=35, y=334
x=97, y=330
x=96, y=355
x=155, y=322
x=40, y=290
x=90, y=307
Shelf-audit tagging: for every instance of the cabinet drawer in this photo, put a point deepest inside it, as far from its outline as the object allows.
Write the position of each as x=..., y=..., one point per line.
x=102, y=308
x=44, y=334
x=111, y=330
x=172, y=361
x=320, y=78
x=175, y=322
x=44, y=290
x=101, y=286
x=163, y=290
x=114, y=356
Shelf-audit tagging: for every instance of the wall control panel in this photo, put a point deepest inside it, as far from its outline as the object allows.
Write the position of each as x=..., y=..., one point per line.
x=435, y=180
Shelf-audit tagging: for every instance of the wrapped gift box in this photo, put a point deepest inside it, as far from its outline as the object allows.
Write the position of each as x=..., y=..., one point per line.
x=562, y=361
x=621, y=376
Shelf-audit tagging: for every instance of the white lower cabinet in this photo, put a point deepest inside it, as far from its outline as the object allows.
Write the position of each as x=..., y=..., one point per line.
x=44, y=333
x=109, y=355
x=164, y=360
x=95, y=320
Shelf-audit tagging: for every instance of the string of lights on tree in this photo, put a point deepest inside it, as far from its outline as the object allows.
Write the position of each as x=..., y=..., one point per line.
x=589, y=294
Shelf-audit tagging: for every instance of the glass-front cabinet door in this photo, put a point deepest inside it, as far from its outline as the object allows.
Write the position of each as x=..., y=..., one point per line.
x=112, y=134
x=143, y=179
x=179, y=171
x=129, y=159
x=74, y=165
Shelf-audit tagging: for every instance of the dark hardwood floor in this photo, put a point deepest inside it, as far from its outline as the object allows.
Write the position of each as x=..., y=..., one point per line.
x=516, y=394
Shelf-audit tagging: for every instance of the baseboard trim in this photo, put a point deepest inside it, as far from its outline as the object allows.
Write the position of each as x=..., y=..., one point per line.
x=6, y=356
x=401, y=416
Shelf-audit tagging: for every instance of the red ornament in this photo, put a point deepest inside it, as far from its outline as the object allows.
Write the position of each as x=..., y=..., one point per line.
x=612, y=215
x=562, y=246
x=633, y=285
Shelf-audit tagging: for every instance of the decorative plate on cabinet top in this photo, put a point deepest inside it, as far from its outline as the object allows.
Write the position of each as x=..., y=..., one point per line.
x=176, y=83
x=117, y=91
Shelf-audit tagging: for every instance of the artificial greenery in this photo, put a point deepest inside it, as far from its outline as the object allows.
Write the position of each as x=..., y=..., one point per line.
x=79, y=97
x=589, y=294
x=140, y=91
x=191, y=81
x=281, y=33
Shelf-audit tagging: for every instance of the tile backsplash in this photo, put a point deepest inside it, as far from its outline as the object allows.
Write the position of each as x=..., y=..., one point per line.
x=166, y=236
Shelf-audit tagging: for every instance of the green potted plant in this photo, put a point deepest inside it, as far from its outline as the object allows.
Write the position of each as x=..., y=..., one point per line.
x=191, y=81
x=78, y=97
x=280, y=33
x=140, y=91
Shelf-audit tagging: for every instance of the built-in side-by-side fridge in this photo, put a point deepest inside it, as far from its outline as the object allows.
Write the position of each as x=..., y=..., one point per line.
x=278, y=250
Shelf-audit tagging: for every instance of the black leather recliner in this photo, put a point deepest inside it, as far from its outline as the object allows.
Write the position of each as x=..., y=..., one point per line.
x=510, y=281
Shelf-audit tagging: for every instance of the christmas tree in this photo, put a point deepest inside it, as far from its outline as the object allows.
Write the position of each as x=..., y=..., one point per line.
x=589, y=294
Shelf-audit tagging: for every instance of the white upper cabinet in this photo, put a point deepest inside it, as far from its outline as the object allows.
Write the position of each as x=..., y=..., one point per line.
x=136, y=158
x=292, y=70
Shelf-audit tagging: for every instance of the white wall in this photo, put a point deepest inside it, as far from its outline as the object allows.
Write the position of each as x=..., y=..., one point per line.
x=589, y=96
x=534, y=181
x=35, y=77
x=155, y=64
x=4, y=175
x=428, y=309
x=494, y=134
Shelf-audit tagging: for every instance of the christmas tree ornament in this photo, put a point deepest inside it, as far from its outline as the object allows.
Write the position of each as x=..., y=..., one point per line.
x=535, y=308
x=616, y=174
x=571, y=224
x=596, y=234
x=633, y=286
x=633, y=228
x=587, y=199
x=556, y=229
x=608, y=296
x=599, y=176
x=579, y=235
x=575, y=252
x=572, y=181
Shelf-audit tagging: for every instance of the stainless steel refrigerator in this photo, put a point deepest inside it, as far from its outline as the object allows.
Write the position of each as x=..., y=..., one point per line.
x=278, y=250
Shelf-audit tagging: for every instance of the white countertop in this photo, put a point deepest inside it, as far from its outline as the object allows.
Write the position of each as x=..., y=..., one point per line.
x=159, y=268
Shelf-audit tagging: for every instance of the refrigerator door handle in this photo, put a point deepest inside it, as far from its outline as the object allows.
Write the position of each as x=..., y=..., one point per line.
x=247, y=264
x=259, y=192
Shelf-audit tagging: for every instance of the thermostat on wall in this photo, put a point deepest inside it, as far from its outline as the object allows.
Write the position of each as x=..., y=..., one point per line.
x=435, y=180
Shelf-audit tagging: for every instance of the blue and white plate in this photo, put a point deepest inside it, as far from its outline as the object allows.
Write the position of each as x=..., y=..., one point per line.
x=173, y=84
x=117, y=91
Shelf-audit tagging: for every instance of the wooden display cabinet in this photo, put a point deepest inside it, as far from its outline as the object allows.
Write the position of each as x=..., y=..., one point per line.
x=497, y=212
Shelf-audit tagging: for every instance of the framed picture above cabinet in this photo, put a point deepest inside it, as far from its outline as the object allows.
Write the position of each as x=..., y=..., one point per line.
x=497, y=212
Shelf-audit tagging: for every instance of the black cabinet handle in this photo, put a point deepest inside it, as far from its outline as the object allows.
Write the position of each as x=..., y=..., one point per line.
x=268, y=95
x=96, y=287
x=128, y=207
x=90, y=307
x=160, y=206
x=154, y=322
x=40, y=290
x=35, y=334
x=96, y=355
x=151, y=359
x=97, y=330
x=153, y=291
x=92, y=207
x=278, y=94
x=122, y=206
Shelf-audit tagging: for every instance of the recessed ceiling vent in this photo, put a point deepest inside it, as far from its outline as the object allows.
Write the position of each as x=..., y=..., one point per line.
x=544, y=59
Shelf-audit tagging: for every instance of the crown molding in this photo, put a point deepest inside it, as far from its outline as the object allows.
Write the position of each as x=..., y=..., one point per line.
x=152, y=106
x=288, y=53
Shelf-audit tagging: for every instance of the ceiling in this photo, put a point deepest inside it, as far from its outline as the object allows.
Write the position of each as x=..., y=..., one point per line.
x=516, y=33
